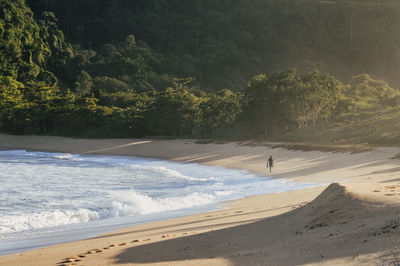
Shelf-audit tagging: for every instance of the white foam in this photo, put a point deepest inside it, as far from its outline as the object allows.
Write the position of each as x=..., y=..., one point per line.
x=168, y=172
x=66, y=156
x=128, y=203
x=33, y=221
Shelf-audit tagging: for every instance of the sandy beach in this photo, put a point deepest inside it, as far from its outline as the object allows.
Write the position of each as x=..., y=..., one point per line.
x=353, y=218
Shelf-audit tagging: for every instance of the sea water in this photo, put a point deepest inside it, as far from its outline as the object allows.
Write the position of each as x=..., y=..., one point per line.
x=48, y=198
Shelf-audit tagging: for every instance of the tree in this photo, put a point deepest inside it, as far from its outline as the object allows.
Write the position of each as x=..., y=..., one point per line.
x=175, y=112
x=219, y=110
x=84, y=84
x=284, y=101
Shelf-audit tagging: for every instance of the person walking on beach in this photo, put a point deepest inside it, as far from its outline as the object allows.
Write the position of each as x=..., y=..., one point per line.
x=270, y=163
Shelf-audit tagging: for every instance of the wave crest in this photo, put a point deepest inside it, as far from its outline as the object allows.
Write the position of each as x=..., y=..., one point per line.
x=131, y=202
x=34, y=221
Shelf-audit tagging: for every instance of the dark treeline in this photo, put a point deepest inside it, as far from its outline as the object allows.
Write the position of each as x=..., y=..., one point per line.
x=188, y=68
x=224, y=43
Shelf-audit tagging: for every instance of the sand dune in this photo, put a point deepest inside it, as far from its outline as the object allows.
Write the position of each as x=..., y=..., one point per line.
x=352, y=223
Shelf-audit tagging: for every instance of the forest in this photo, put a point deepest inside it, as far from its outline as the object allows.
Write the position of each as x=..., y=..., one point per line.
x=268, y=69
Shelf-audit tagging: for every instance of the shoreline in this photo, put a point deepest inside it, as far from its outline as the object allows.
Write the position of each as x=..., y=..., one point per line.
x=93, y=229
x=315, y=167
x=302, y=166
x=109, y=224
x=82, y=231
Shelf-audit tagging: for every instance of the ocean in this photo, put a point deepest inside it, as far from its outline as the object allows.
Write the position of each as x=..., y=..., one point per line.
x=50, y=198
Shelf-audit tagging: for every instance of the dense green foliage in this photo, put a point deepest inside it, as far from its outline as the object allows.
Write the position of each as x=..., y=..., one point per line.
x=26, y=85
x=285, y=101
x=368, y=111
x=224, y=43
x=191, y=68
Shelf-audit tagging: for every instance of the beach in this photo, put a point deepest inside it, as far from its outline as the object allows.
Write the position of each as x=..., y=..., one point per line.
x=353, y=221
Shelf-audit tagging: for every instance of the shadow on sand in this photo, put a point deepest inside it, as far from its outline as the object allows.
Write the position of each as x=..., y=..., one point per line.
x=336, y=225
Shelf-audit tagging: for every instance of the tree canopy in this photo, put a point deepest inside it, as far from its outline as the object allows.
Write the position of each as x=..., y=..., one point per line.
x=238, y=69
x=224, y=43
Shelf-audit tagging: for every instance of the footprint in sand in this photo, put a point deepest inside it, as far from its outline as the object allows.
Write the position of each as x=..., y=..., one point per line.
x=116, y=245
x=93, y=251
x=167, y=236
x=376, y=190
x=189, y=233
x=140, y=240
x=70, y=261
x=390, y=194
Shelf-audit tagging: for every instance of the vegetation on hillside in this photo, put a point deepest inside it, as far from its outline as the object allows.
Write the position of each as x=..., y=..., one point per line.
x=223, y=44
x=192, y=68
x=368, y=112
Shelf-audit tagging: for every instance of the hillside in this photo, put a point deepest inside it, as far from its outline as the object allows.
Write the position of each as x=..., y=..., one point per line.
x=303, y=71
x=224, y=43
